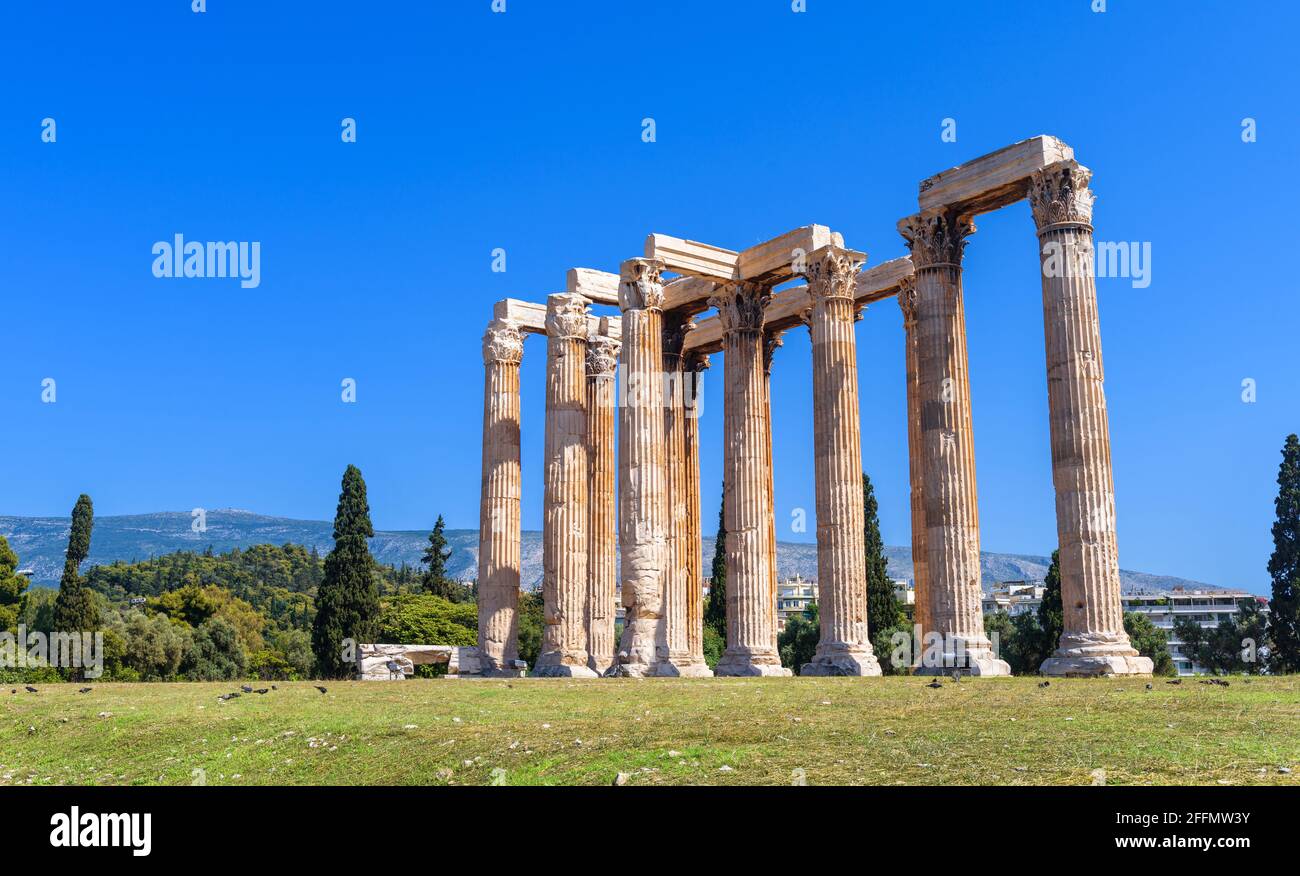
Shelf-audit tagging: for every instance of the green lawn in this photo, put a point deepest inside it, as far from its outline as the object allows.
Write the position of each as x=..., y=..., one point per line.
x=661, y=731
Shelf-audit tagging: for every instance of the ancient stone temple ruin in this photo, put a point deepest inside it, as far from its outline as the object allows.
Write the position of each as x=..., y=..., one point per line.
x=681, y=300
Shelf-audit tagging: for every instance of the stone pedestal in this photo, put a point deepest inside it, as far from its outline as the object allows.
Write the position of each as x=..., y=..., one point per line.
x=844, y=647
x=564, y=523
x=498, y=546
x=750, y=606
x=602, y=517
x=642, y=500
x=937, y=240
x=1093, y=641
x=681, y=660
x=920, y=579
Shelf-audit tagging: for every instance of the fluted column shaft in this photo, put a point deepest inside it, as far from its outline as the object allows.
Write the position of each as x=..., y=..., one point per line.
x=602, y=516
x=498, y=545
x=693, y=365
x=642, y=499
x=771, y=342
x=564, y=523
x=1093, y=641
x=937, y=240
x=920, y=578
x=751, y=611
x=845, y=646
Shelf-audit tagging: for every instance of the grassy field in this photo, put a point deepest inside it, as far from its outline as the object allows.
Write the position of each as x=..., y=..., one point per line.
x=657, y=732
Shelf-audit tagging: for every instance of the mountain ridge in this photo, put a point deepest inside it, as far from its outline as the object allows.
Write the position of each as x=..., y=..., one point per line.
x=40, y=543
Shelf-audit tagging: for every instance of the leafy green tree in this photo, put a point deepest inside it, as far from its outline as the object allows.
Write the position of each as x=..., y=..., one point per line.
x=37, y=610
x=530, y=623
x=425, y=619
x=1051, y=614
x=883, y=610
x=12, y=586
x=1231, y=647
x=1284, y=564
x=155, y=646
x=75, y=609
x=347, y=604
x=798, y=641
x=216, y=654
x=713, y=646
x=435, y=558
x=715, y=607
x=1150, y=641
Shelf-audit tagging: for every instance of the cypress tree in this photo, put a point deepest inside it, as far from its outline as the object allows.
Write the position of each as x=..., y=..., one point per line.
x=435, y=557
x=75, y=609
x=715, y=609
x=1051, y=614
x=882, y=605
x=1284, y=565
x=347, y=603
x=12, y=586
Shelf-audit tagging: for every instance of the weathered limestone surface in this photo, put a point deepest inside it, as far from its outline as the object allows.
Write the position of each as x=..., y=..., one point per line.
x=692, y=367
x=602, y=518
x=920, y=577
x=937, y=240
x=396, y=662
x=1093, y=641
x=771, y=343
x=750, y=608
x=642, y=500
x=677, y=584
x=844, y=647
x=564, y=523
x=498, y=546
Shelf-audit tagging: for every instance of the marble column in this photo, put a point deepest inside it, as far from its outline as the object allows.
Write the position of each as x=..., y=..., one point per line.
x=602, y=513
x=642, y=495
x=751, y=611
x=937, y=240
x=920, y=578
x=677, y=583
x=564, y=522
x=844, y=647
x=693, y=366
x=1093, y=641
x=772, y=341
x=498, y=544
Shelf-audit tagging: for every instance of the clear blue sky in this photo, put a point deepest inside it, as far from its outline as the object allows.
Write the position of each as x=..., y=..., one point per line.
x=523, y=130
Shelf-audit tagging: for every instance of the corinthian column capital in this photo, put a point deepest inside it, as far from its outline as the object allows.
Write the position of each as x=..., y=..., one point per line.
x=675, y=329
x=936, y=237
x=566, y=316
x=1059, y=195
x=740, y=305
x=832, y=272
x=907, y=300
x=641, y=284
x=602, y=355
x=503, y=342
x=772, y=341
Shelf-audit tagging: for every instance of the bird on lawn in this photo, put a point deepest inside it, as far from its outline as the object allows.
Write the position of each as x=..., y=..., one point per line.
x=1149, y=687
x=319, y=688
x=246, y=688
x=1043, y=683
x=85, y=690
x=262, y=690
x=31, y=689
x=936, y=684
x=1175, y=681
x=273, y=687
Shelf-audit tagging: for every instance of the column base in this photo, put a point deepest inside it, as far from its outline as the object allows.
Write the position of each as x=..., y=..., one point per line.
x=601, y=667
x=842, y=659
x=563, y=664
x=1092, y=655
x=683, y=666
x=743, y=662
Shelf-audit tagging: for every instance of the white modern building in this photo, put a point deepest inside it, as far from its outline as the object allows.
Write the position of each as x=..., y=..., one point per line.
x=1014, y=597
x=1207, y=607
x=792, y=598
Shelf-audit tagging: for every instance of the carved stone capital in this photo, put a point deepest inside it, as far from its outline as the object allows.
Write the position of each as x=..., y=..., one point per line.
x=1059, y=195
x=696, y=362
x=602, y=355
x=675, y=329
x=641, y=284
x=907, y=300
x=566, y=316
x=832, y=272
x=771, y=342
x=503, y=342
x=740, y=305
x=936, y=237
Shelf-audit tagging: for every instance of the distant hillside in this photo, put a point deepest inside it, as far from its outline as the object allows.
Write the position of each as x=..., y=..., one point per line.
x=40, y=543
